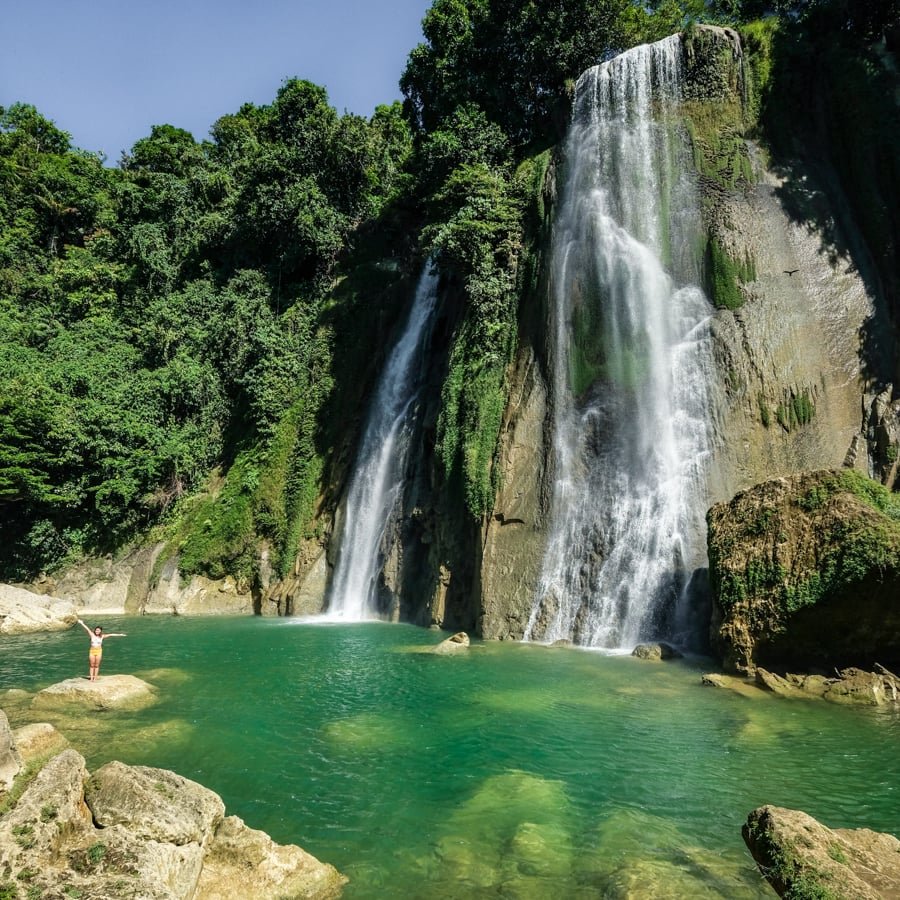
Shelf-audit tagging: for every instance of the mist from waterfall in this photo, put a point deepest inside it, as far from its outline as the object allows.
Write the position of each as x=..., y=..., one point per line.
x=376, y=485
x=631, y=363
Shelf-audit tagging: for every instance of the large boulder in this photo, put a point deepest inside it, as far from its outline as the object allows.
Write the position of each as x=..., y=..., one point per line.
x=656, y=651
x=107, y=692
x=802, y=858
x=153, y=804
x=22, y=612
x=456, y=643
x=50, y=810
x=806, y=574
x=243, y=862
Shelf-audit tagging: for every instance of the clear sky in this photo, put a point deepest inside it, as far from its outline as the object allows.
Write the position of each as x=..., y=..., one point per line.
x=106, y=70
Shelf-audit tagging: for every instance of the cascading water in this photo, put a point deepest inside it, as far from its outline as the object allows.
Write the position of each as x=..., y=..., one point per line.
x=377, y=482
x=631, y=363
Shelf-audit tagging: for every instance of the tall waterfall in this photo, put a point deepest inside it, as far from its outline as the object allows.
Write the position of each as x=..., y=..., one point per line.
x=631, y=363
x=377, y=482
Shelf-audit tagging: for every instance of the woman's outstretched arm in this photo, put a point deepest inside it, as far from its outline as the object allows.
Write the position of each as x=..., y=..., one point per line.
x=88, y=630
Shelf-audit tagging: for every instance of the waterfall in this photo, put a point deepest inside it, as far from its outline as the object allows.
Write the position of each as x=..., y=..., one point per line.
x=631, y=363
x=376, y=485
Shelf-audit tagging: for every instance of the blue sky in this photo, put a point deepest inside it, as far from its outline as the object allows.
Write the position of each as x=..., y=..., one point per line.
x=106, y=70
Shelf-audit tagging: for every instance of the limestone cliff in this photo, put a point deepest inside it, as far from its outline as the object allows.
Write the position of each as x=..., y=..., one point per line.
x=135, y=584
x=806, y=574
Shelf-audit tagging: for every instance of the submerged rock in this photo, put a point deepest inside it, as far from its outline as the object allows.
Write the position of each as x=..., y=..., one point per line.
x=23, y=612
x=38, y=740
x=801, y=857
x=806, y=574
x=659, y=650
x=510, y=838
x=456, y=643
x=107, y=692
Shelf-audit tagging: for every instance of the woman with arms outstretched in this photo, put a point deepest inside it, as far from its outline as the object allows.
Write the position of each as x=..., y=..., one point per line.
x=96, y=652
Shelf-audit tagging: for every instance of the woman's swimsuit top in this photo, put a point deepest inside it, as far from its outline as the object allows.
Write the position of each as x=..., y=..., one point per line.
x=96, y=640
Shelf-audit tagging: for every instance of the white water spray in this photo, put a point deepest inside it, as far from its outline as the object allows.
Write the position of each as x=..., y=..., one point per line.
x=377, y=483
x=631, y=363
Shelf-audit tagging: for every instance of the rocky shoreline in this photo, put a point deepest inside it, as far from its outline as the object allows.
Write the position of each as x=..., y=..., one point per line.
x=130, y=831
x=848, y=686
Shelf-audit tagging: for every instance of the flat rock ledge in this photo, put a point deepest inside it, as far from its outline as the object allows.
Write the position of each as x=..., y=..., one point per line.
x=801, y=857
x=849, y=686
x=108, y=692
x=139, y=832
x=23, y=612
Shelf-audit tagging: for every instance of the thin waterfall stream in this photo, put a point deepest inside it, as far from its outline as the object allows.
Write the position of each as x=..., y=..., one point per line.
x=632, y=363
x=376, y=485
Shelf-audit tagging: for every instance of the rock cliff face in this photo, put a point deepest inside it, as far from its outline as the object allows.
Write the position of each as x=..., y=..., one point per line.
x=131, y=585
x=806, y=574
x=803, y=358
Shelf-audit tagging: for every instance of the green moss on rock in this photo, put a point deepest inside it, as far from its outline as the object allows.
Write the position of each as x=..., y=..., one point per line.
x=806, y=571
x=724, y=276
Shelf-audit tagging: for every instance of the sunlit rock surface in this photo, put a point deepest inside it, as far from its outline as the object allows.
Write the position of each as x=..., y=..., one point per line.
x=22, y=611
x=803, y=858
x=10, y=760
x=107, y=692
x=38, y=740
x=138, y=832
x=456, y=643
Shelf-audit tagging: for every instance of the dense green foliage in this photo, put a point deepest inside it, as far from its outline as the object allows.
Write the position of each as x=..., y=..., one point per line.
x=157, y=318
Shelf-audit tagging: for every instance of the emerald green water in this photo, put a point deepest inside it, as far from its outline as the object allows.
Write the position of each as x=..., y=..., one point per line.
x=514, y=771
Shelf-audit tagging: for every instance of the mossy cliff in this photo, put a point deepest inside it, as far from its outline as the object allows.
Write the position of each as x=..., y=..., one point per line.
x=806, y=574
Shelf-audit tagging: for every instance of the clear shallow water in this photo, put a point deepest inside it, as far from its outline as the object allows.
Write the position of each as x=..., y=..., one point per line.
x=516, y=771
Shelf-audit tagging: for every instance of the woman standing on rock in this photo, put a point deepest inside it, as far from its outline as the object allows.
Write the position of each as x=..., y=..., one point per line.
x=95, y=654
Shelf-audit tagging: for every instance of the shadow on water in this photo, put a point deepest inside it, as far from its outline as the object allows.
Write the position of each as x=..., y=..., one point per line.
x=834, y=131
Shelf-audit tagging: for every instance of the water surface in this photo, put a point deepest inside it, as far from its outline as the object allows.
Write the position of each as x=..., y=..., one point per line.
x=515, y=771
